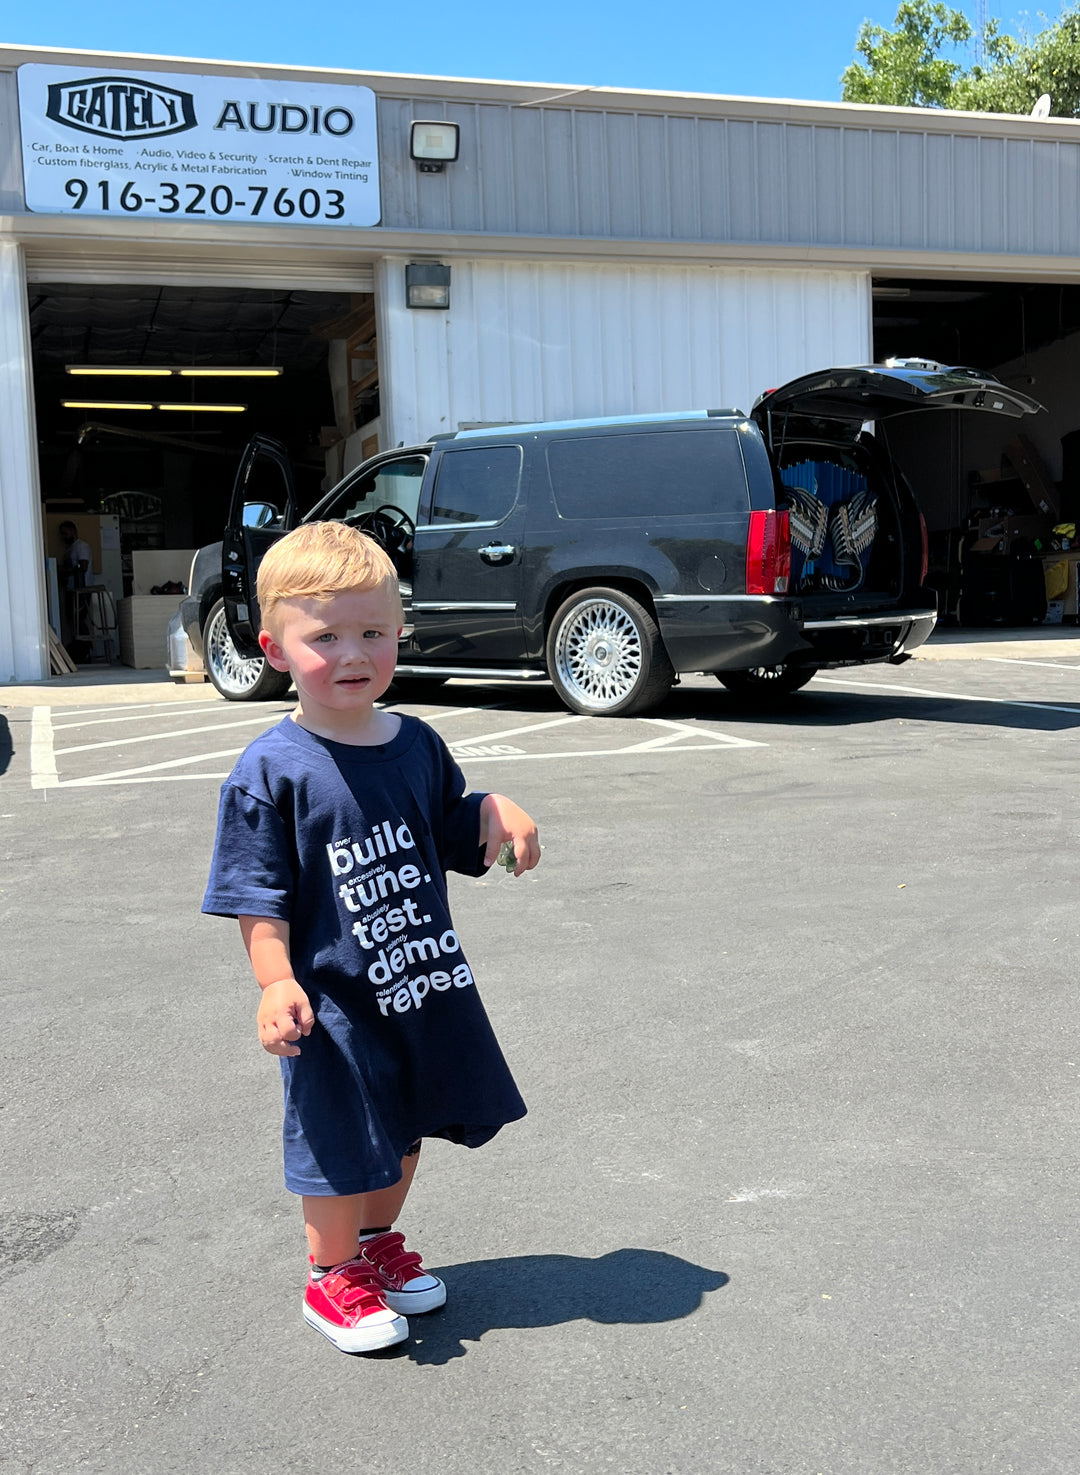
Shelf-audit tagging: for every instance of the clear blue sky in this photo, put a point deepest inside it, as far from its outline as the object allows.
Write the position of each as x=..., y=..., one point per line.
x=781, y=48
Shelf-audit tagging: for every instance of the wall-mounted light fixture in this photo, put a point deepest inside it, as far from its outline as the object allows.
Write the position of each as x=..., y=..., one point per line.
x=433, y=144
x=427, y=284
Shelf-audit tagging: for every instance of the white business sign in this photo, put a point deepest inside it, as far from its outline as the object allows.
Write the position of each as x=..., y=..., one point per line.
x=171, y=146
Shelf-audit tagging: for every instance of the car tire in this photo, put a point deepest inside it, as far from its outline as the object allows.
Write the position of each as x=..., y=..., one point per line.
x=765, y=685
x=237, y=678
x=605, y=656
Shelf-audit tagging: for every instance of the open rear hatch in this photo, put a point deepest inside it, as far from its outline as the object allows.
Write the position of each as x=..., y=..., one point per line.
x=858, y=539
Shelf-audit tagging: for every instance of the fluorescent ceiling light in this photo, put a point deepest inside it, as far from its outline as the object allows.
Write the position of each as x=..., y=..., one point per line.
x=103, y=404
x=228, y=373
x=140, y=373
x=133, y=373
x=228, y=409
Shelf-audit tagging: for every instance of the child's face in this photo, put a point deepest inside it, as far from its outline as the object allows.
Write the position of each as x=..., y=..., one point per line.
x=340, y=651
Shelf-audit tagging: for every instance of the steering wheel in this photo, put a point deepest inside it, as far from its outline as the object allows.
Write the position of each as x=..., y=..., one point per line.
x=392, y=527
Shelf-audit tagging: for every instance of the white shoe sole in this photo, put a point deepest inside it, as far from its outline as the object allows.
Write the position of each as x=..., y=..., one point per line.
x=369, y=1337
x=415, y=1303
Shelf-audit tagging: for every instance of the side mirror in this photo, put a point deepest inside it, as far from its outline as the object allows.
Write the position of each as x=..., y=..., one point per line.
x=259, y=514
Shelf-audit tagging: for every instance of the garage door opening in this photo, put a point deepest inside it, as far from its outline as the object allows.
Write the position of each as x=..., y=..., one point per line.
x=140, y=453
x=1002, y=508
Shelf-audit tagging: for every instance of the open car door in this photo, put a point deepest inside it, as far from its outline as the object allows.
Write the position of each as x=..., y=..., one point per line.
x=262, y=508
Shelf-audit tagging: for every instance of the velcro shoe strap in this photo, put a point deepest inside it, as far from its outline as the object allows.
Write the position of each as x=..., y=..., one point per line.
x=352, y=1286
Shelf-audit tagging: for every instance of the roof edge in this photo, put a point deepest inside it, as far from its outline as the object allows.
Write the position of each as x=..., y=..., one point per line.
x=579, y=95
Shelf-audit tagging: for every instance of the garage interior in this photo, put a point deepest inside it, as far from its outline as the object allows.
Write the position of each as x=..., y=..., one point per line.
x=143, y=464
x=155, y=481
x=1001, y=497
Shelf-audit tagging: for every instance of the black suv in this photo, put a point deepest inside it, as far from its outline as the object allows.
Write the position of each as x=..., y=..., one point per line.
x=611, y=555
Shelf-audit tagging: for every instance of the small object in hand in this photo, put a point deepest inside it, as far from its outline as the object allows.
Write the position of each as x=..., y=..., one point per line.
x=506, y=855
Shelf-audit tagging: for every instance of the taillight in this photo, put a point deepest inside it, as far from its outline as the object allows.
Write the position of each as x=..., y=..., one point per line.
x=768, y=553
x=925, y=550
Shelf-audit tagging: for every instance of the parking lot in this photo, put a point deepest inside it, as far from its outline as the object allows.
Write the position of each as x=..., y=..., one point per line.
x=790, y=998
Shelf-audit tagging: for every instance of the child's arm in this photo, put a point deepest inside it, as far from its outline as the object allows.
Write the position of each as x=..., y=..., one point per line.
x=285, y=1013
x=500, y=820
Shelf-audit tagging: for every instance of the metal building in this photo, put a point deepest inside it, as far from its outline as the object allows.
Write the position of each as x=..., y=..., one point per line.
x=608, y=252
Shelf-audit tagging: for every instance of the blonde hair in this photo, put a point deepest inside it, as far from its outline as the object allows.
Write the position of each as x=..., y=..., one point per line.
x=319, y=560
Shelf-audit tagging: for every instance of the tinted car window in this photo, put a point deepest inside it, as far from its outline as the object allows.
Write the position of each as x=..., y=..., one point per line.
x=664, y=473
x=477, y=485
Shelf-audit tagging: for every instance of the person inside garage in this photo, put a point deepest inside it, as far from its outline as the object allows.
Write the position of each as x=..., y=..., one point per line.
x=76, y=571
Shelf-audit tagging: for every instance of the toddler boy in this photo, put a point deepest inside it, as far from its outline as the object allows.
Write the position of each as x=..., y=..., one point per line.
x=335, y=831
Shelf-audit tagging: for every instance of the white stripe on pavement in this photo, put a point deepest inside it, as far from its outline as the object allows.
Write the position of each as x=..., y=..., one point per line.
x=505, y=732
x=158, y=737
x=178, y=711
x=672, y=750
x=683, y=729
x=949, y=696
x=43, y=774
x=180, y=704
x=1022, y=661
x=97, y=778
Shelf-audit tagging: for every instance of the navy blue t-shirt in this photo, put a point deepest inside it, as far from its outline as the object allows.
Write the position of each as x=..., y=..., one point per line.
x=350, y=845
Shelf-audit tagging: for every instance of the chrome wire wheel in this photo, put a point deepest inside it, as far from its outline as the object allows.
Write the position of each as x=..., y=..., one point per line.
x=237, y=677
x=605, y=656
x=598, y=654
x=232, y=673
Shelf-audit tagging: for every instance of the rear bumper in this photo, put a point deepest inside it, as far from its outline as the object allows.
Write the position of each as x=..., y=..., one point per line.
x=737, y=634
x=856, y=638
x=728, y=634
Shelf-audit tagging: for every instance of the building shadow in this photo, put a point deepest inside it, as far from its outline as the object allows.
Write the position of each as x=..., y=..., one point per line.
x=627, y=1287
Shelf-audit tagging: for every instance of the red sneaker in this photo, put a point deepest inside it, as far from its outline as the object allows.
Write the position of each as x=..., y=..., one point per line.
x=347, y=1306
x=405, y=1284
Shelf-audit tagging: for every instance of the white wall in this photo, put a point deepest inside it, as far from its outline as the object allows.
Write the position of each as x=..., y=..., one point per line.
x=537, y=341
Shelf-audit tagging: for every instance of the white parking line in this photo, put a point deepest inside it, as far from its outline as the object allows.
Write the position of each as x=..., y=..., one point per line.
x=1022, y=661
x=506, y=732
x=43, y=774
x=159, y=737
x=91, y=780
x=950, y=696
x=683, y=729
x=176, y=706
x=179, y=710
x=645, y=749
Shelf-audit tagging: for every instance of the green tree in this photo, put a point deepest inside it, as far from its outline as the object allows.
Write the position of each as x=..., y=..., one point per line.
x=1020, y=71
x=905, y=67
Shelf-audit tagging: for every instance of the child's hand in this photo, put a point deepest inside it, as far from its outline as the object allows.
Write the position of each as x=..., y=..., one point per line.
x=501, y=820
x=284, y=1015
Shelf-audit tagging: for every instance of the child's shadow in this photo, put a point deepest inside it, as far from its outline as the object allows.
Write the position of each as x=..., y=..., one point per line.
x=625, y=1286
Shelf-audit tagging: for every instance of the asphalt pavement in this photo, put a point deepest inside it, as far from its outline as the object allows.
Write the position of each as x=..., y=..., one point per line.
x=790, y=998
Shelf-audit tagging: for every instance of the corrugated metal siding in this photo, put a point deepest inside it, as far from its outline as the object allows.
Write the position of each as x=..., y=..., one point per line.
x=536, y=341
x=563, y=171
